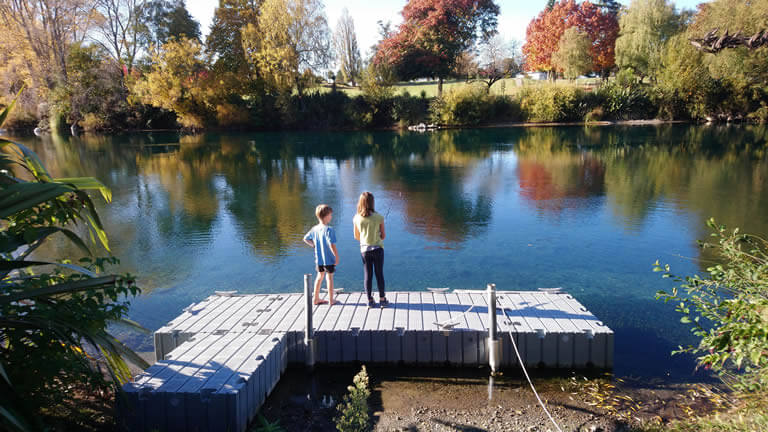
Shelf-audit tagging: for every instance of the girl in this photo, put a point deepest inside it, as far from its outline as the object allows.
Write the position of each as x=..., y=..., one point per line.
x=369, y=230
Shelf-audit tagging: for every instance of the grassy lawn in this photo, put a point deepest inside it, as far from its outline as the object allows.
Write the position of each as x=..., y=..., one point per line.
x=507, y=86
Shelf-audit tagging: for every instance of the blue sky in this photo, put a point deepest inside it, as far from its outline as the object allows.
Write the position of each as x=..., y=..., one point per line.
x=514, y=18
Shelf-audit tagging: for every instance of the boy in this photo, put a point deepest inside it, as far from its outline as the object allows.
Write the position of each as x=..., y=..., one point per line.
x=322, y=237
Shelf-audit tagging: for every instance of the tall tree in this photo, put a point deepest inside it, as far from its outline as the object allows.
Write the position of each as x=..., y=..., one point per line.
x=644, y=29
x=118, y=29
x=572, y=57
x=499, y=59
x=225, y=42
x=433, y=35
x=48, y=28
x=164, y=20
x=177, y=81
x=347, y=50
x=544, y=32
x=290, y=37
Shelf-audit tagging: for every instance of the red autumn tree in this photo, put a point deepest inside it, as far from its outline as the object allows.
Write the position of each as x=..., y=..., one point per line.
x=544, y=32
x=433, y=35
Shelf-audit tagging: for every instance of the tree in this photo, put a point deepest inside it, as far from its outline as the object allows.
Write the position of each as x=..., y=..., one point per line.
x=225, y=41
x=118, y=29
x=433, y=35
x=95, y=93
x=47, y=28
x=291, y=36
x=644, y=29
x=499, y=60
x=544, y=32
x=347, y=51
x=609, y=6
x=572, y=57
x=177, y=81
x=466, y=66
x=743, y=71
x=164, y=20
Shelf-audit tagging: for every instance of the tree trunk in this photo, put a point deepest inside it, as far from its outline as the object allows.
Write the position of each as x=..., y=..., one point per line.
x=440, y=87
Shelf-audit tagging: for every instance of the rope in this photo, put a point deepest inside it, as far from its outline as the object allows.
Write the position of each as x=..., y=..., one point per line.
x=522, y=365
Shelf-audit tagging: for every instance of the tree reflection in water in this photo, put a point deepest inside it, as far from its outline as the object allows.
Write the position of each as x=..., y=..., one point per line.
x=589, y=208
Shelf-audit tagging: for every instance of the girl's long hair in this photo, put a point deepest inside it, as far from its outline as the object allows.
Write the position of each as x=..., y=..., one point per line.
x=365, y=204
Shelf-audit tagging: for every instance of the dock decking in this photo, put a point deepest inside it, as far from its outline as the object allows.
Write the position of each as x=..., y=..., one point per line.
x=219, y=359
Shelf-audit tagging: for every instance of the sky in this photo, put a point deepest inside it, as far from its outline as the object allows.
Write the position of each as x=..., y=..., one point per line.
x=514, y=18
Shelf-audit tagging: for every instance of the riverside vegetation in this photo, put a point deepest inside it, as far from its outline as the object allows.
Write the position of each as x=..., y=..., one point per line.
x=248, y=74
x=54, y=342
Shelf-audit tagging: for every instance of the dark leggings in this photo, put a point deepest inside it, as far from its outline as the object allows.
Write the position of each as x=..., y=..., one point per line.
x=373, y=261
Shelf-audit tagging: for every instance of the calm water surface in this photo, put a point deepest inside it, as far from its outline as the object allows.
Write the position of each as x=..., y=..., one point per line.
x=587, y=209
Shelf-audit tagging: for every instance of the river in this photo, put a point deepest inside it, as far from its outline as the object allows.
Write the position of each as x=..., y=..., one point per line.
x=586, y=209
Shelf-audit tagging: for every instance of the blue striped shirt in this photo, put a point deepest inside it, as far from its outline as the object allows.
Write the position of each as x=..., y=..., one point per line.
x=323, y=236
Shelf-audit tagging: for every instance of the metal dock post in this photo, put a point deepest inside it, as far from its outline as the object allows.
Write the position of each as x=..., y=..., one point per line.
x=494, y=351
x=309, y=332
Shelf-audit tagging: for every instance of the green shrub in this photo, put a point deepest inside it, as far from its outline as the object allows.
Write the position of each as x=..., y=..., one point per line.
x=728, y=310
x=552, y=103
x=353, y=410
x=471, y=106
x=761, y=114
x=408, y=110
x=625, y=102
x=595, y=115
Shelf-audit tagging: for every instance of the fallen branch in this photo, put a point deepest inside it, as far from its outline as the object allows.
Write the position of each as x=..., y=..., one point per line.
x=712, y=43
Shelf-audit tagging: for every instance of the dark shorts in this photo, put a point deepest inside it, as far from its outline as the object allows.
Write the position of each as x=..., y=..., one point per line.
x=326, y=268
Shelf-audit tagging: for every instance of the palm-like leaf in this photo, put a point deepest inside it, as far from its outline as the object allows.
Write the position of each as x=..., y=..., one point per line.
x=52, y=306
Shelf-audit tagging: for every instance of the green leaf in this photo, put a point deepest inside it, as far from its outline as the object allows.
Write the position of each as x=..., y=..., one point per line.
x=13, y=419
x=87, y=183
x=38, y=234
x=4, y=375
x=9, y=108
x=21, y=196
x=62, y=288
x=31, y=161
x=9, y=265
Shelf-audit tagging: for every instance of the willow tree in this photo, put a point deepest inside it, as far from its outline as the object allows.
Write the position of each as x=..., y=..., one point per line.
x=347, y=50
x=291, y=37
x=643, y=31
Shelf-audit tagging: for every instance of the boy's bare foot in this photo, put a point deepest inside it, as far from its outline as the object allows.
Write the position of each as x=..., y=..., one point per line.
x=334, y=302
x=319, y=302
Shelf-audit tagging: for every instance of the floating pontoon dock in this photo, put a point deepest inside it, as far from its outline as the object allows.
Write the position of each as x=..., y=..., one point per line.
x=219, y=360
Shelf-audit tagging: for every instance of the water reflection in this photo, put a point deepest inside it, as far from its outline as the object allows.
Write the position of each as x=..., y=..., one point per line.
x=444, y=184
x=585, y=208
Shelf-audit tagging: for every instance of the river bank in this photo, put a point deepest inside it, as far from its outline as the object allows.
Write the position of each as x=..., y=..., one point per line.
x=451, y=399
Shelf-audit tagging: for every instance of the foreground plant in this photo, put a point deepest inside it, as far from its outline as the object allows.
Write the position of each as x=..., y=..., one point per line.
x=353, y=409
x=53, y=313
x=728, y=310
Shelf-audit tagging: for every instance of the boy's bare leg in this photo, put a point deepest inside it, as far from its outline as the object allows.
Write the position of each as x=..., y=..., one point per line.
x=318, y=282
x=329, y=284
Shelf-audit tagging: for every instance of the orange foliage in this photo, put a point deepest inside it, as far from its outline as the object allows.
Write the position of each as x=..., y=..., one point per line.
x=544, y=33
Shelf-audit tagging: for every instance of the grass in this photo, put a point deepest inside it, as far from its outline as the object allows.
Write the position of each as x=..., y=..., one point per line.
x=508, y=86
